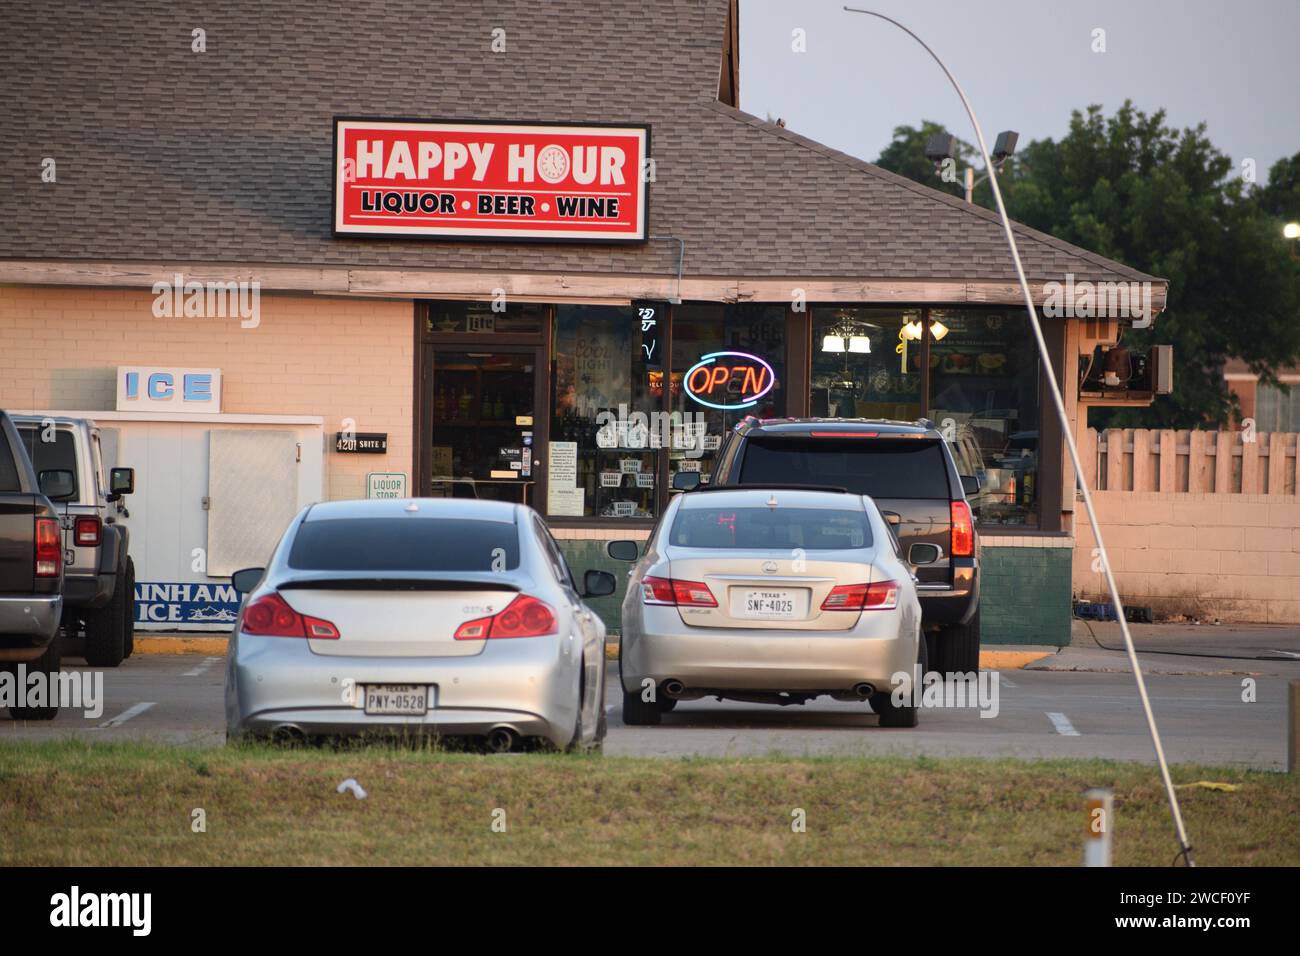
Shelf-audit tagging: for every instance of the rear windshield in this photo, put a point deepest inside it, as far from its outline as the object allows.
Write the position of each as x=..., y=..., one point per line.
x=880, y=467
x=58, y=454
x=780, y=528
x=8, y=467
x=398, y=544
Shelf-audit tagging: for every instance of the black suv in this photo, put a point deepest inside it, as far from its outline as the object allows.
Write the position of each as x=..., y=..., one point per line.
x=909, y=471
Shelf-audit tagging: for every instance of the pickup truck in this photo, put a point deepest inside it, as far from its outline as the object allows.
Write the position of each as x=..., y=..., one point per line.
x=31, y=567
x=99, y=585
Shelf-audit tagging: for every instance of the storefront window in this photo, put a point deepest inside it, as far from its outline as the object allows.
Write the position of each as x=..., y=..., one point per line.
x=984, y=388
x=865, y=364
x=604, y=440
x=728, y=362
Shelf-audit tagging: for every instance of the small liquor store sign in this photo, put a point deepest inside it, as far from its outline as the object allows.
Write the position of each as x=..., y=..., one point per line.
x=470, y=179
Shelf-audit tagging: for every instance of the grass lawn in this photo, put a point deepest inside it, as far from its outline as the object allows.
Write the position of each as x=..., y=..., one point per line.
x=71, y=803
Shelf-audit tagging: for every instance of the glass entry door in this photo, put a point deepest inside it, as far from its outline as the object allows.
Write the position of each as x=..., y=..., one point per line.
x=482, y=407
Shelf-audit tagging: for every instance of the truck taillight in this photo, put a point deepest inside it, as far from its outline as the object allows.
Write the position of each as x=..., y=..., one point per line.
x=525, y=616
x=49, y=549
x=87, y=532
x=271, y=616
x=963, y=531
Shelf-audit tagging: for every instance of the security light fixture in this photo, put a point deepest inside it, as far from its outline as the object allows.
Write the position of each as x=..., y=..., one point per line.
x=941, y=146
x=1005, y=145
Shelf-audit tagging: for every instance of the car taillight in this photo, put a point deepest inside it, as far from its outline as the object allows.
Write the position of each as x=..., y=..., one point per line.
x=963, y=531
x=881, y=596
x=49, y=549
x=271, y=616
x=87, y=532
x=676, y=591
x=525, y=616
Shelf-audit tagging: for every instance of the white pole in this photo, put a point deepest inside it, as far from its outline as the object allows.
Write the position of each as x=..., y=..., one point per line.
x=1059, y=402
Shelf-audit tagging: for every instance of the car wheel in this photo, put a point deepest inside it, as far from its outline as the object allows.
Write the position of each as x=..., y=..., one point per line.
x=128, y=610
x=907, y=715
x=49, y=664
x=957, y=647
x=640, y=713
x=105, y=634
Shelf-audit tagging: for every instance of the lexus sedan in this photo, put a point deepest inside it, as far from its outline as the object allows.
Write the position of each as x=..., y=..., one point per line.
x=428, y=616
x=771, y=594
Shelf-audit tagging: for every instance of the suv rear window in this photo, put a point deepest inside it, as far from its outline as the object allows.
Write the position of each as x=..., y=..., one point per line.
x=880, y=467
x=398, y=544
x=57, y=455
x=813, y=529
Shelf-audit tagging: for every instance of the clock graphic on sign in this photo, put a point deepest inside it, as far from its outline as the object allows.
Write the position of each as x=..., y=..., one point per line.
x=552, y=163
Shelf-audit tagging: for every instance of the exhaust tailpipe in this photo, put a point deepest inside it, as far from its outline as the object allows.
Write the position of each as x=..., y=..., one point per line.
x=864, y=690
x=502, y=740
x=288, y=734
x=673, y=688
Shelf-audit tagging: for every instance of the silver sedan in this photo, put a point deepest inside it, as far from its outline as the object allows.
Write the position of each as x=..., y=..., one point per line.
x=429, y=616
x=770, y=594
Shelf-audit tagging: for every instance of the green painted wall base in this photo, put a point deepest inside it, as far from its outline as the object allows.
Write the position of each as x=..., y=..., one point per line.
x=1024, y=597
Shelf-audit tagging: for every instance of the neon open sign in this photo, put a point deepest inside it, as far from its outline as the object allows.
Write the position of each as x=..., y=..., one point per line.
x=729, y=380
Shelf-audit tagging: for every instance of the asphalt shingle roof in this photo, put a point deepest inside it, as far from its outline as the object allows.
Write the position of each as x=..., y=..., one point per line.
x=167, y=154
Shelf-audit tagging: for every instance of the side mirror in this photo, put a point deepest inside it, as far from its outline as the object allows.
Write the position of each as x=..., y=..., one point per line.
x=247, y=579
x=893, y=518
x=597, y=584
x=623, y=550
x=121, y=481
x=57, y=483
x=686, y=481
x=923, y=553
x=970, y=484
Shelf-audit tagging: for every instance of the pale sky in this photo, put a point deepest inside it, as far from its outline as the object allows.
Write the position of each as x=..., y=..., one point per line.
x=1025, y=64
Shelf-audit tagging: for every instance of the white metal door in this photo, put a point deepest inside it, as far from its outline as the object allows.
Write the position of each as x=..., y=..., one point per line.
x=252, y=495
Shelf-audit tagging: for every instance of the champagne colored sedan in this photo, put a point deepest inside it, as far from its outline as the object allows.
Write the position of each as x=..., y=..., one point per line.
x=770, y=594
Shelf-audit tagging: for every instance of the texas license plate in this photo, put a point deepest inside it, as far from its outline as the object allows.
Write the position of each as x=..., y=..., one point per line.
x=408, y=699
x=779, y=604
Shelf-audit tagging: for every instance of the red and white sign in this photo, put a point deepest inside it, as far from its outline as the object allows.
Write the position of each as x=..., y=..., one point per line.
x=466, y=179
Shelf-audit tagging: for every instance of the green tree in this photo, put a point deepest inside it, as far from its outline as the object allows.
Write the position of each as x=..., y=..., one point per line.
x=1161, y=200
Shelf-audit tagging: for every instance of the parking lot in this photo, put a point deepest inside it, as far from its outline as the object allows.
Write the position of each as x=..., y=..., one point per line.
x=1048, y=710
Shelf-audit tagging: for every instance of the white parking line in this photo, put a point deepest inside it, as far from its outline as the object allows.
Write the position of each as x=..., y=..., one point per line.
x=1063, y=725
x=135, y=710
x=1004, y=682
x=196, y=671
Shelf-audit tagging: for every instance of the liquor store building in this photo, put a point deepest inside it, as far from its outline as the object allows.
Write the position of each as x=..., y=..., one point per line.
x=554, y=265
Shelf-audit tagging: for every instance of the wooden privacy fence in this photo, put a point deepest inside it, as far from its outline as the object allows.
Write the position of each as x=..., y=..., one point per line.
x=1187, y=461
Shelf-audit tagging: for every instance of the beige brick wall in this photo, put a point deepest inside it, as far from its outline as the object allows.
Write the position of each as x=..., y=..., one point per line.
x=1234, y=557
x=310, y=355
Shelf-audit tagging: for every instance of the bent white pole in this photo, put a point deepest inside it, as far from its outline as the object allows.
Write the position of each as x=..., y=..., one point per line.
x=1059, y=402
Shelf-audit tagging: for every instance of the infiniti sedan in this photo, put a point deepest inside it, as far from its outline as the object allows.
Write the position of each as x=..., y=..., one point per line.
x=771, y=594
x=418, y=616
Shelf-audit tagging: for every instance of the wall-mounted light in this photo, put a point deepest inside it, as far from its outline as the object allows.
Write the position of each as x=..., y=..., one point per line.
x=833, y=343
x=938, y=330
x=859, y=343
x=912, y=330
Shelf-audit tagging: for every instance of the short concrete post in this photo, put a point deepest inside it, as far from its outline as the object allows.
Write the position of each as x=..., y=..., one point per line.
x=1096, y=846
